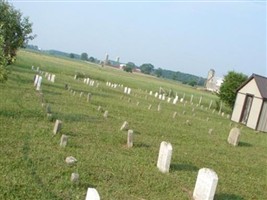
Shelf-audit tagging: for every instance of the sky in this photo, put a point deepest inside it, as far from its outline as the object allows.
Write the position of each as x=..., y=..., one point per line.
x=187, y=36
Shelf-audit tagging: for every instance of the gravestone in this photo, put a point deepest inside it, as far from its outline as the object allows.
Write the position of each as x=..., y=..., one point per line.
x=35, y=80
x=156, y=94
x=210, y=131
x=92, y=194
x=130, y=139
x=38, y=87
x=164, y=157
x=99, y=108
x=159, y=107
x=124, y=126
x=106, y=114
x=149, y=107
x=74, y=177
x=70, y=160
x=129, y=91
x=137, y=103
x=188, y=122
x=174, y=115
x=53, y=78
x=206, y=184
x=233, y=137
x=89, y=97
x=57, y=126
x=63, y=140
x=125, y=90
x=81, y=94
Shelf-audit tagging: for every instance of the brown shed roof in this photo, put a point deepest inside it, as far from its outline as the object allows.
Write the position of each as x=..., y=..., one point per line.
x=261, y=82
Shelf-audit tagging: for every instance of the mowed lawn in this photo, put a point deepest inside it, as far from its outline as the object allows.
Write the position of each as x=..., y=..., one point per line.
x=32, y=164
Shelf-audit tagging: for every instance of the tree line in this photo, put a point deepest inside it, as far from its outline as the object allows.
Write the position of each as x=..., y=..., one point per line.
x=15, y=32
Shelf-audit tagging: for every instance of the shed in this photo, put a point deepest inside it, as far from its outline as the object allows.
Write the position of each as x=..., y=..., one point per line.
x=250, y=106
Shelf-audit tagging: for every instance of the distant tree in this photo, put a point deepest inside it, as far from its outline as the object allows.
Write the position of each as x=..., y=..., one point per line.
x=146, y=68
x=229, y=86
x=91, y=59
x=84, y=56
x=3, y=61
x=158, y=72
x=15, y=30
x=72, y=55
x=129, y=67
x=192, y=83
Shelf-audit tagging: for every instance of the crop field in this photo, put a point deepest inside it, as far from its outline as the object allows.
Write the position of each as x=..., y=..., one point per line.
x=32, y=164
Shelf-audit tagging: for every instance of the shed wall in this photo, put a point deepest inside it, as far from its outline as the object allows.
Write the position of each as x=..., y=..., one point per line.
x=237, y=111
x=254, y=113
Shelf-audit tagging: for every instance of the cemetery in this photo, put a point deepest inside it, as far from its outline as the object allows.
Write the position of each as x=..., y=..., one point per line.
x=115, y=135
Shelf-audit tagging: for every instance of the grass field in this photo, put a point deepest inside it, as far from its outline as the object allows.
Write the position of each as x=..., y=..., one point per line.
x=32, y=164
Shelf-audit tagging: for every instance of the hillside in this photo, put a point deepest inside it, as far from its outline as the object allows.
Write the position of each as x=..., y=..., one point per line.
x=33, y=163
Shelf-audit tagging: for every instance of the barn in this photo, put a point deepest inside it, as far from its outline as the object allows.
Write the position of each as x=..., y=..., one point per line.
x=250, y=106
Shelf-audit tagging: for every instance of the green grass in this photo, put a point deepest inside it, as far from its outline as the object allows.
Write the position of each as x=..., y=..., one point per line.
x=32, y=163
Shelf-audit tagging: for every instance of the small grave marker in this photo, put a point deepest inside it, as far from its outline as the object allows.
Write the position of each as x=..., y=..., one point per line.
x=106, y=114
x=206, y=184
x=70, y=160
x=124, y=126
x=63, y=140
x=233, y=137
x=57, y=126
x=74, y=177
x=130, y=139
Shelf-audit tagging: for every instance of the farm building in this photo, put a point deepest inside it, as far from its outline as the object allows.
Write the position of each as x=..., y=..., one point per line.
x=251, y=103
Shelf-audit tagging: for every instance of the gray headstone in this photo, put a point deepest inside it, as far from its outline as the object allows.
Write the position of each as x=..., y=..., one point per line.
x=233, y=137
x=130, y=138
x=57, y=126
x=206, y=184
x=74, y=177
x=63, y=140
x=70, y=160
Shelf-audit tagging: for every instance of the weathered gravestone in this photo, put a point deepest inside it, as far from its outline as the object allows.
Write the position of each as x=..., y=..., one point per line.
x=124, y=126
x=130, y=138
x=210, y=131
x=70, y=160
x=206, y=184
x=89, y=97
x=174, y=115
x=36, y=77
x=92, y=194
x=53, y=76
x=63, y=140
x=159, y=107
x=164, y=157
x=149, y=107
x=233, y=137
x=74, y=177
x=106, y=114
x=57, y=126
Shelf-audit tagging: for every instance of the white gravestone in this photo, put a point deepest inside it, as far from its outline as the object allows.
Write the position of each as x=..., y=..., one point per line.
x=57, y=126
x=174, y=115
x=38, y=87
x=149, y=107
x=70, y=160
x=124, y=126
x=129, y=91
x=63, y=140
x=130, y=138
x=125, y=90
x=106, y=114
x=92, y=194
x=164, y=158
x=233, y=137
x=206, y=184
x=53, y=78
x=36, y=80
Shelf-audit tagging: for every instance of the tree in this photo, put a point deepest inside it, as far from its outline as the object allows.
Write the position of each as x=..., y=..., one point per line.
x=91, y=59
x=146, y=68
x=16, y=30
x=229, y=86
x=72, y=55
x=3, y=61
x=158, y=72
x=84, y=56
x=129, y=67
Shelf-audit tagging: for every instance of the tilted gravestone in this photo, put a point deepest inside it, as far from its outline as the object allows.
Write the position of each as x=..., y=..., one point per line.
x=233, y=137
x=124, y=126
x=57, y=126
x=149, y=107
x=174, y=115
x=164, y=157
x=130, y=138
x=63, y=140
x=92, y=194
x=206, y=184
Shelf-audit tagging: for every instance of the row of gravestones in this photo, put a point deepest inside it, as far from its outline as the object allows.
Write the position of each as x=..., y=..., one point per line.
x=92, y=193
x=163, y=163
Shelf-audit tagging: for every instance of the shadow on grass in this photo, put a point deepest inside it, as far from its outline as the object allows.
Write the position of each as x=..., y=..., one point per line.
x=141, y=145
x=227, y=197
x=183, y=167
x=244, y=144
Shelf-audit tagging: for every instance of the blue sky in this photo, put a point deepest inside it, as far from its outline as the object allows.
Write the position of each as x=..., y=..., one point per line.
x=186, y=36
